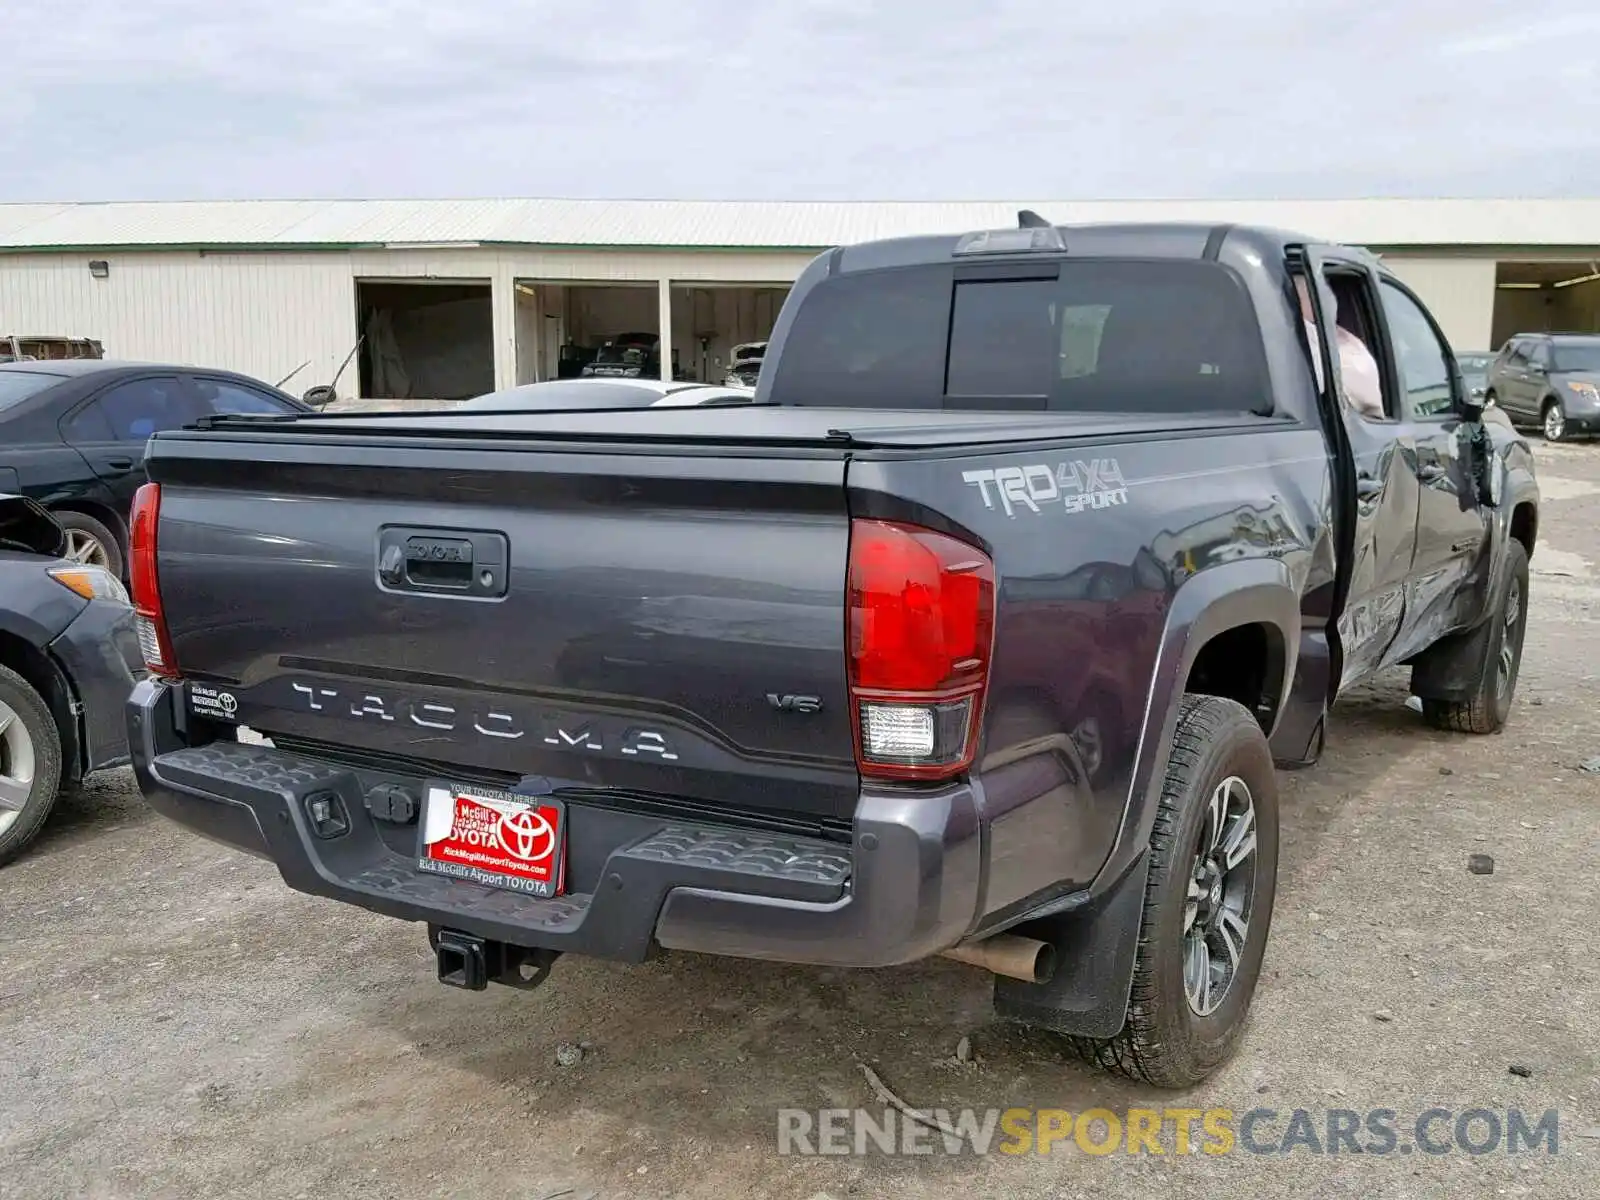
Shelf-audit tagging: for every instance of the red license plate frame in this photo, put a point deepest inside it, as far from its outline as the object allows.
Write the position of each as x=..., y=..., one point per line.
x=494, y=838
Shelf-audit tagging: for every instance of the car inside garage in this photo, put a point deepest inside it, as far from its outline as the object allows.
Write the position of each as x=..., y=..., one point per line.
x=711, y=321
x=563, y=327
x=566, y=328
x=425, y=340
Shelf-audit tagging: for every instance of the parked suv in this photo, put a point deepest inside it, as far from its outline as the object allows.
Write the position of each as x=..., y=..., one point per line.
x=1551, y=380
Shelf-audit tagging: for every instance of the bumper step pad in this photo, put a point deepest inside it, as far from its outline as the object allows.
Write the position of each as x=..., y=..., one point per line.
x=615, y=919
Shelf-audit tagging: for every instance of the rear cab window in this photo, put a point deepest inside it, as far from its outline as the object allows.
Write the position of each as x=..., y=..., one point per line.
x=1091, y=335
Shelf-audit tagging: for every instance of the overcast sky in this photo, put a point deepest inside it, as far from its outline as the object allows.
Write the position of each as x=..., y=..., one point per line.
x=801, y=99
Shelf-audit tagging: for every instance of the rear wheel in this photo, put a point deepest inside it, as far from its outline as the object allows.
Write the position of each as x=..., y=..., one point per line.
x=30, y=763
x=89, y=542
x=1554, y=421
x=1208, y=901
x=1499, y=659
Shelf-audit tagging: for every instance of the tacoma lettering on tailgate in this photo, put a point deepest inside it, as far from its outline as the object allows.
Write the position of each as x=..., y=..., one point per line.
x=608, y=736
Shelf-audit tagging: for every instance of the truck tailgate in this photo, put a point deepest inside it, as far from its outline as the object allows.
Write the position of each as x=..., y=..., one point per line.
x=672, y=625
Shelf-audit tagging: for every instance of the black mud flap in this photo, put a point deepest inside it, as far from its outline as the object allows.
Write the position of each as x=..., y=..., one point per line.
x=1095, y=950
x=1298, y=738
x=1452, y=667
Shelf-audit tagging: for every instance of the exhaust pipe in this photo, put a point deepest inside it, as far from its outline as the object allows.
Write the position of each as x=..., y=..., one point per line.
x=1008, y=954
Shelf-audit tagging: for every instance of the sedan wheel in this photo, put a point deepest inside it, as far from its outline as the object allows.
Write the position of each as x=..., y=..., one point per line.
x=85, y=548
x=18, y=765
x=30, y=763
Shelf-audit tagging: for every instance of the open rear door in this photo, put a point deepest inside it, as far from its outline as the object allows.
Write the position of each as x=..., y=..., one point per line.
x=1375, y=477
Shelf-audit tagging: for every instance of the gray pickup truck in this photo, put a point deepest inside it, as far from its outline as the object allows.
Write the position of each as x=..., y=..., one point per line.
x=976, y=633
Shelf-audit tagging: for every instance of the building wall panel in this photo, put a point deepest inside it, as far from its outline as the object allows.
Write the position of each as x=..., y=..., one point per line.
x=1458, y=291
x=266, y=312
x=263, y=314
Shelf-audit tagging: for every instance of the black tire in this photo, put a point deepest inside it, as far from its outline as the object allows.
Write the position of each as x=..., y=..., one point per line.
x=1553, y=421
x=22, y=708
x=1166, y=1040
x=91, y=542
x=1488, y=707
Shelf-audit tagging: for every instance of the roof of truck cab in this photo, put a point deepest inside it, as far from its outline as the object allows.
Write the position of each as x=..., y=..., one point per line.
x=1172, y=239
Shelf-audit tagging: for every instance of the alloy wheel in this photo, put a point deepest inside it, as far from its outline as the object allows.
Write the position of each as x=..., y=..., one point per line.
x=85, y=548
x=1217, y=909
x=1555, y=423
x=17, y=766
x=1508, y=638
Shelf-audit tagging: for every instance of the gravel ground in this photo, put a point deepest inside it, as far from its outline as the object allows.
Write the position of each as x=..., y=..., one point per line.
x=178, y=1023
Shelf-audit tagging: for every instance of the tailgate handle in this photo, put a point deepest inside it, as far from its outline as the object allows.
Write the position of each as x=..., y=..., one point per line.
x=453, y=571
x=472, y=564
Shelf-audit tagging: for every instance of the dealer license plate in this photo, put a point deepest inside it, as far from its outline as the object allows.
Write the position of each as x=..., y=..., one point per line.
x=494, y=838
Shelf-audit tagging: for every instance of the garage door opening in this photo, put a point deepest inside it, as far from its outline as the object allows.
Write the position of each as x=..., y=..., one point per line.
x=425, y=341
x=566, y=327
x=721, y=329
x=1546, y=297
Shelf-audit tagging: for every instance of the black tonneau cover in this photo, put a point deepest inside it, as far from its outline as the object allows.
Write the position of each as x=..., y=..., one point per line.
x=767, y=425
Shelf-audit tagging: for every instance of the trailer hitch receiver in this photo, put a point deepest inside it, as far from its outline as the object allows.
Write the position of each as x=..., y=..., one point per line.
x=471, y=962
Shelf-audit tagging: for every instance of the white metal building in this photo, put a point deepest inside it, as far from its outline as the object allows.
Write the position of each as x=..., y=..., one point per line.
x=456, y=297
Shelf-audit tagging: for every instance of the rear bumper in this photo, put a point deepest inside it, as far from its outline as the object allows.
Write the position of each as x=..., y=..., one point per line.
x=908, y=885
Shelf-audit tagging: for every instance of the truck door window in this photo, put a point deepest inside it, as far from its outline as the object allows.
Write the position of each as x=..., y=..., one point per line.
x=1422, y=360
x=1110, y=335
x=1357, y=323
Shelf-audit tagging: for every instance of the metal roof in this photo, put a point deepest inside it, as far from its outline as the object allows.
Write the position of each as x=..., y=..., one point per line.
x=755, y=224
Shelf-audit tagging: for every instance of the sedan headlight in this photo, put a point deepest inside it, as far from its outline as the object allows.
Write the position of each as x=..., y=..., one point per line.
x=92, y=583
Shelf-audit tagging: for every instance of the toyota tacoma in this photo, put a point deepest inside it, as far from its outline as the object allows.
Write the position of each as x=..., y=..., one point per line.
x=977, y=634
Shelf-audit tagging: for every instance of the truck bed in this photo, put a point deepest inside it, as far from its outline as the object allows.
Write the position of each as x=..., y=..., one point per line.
x=646, y=601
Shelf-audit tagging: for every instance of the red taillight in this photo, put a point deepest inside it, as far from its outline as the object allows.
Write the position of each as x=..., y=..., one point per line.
x=144, y=584
x=921, y=612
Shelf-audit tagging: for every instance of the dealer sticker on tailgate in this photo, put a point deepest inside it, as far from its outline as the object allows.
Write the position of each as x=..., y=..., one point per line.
x=494, y=838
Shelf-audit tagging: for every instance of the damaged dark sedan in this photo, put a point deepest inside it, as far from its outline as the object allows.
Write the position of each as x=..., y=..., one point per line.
x=67, y=649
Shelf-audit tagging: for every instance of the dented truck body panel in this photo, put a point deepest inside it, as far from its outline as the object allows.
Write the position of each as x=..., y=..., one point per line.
x=664, y=641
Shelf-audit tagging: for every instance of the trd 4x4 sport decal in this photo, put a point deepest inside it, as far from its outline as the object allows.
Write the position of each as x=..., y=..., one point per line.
x=1078, y=486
